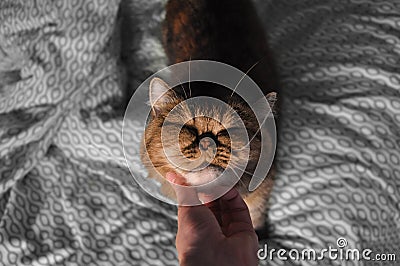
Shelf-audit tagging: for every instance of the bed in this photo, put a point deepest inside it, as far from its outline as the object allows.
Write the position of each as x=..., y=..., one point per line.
x=67, y=196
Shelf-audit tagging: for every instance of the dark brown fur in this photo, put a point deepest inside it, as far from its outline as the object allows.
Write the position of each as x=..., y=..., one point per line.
x=222, y=30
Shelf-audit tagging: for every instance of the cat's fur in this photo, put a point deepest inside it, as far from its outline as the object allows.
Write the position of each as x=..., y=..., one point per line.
x=229, y=32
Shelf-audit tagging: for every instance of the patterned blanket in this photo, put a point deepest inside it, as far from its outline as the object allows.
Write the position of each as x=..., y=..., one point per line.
x=67, y=196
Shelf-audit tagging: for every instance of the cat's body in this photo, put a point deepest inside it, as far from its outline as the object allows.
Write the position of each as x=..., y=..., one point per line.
x=228, y=32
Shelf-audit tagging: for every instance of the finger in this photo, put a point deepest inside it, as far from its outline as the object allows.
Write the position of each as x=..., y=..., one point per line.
x=215, y=207
x=236, y=228
x=234, y=211
x=190, y=217
x=186, y=195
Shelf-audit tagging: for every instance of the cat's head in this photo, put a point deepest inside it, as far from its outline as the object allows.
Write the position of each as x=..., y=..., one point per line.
x=209, y=136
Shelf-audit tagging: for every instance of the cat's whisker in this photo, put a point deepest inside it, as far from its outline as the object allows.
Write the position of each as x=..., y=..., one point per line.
x=233, y=163
x=190, y=89
x=241, y=181
x=245, y=74
x=247, y=145
x=183, y=88
x=180, y=165
x=239, y=178
x=241, y=169
x=234, y=168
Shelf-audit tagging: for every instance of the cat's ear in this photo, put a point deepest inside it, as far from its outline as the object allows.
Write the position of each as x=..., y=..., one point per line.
x=261, y=107
x=160, y=94
x=272, y=100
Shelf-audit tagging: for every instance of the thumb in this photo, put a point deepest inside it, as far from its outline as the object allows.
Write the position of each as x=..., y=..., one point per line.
x=191, y=212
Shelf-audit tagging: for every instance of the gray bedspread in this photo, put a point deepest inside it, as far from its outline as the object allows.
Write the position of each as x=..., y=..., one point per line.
x=67, y=197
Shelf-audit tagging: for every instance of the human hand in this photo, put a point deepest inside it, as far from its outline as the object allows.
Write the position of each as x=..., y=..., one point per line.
x=218, y=233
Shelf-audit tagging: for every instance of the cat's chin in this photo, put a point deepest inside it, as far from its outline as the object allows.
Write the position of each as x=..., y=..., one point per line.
x=204, y=176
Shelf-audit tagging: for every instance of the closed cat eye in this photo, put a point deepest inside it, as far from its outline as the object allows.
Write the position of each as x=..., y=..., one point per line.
x=232, y=130
x=191, y=129
x=223, y=133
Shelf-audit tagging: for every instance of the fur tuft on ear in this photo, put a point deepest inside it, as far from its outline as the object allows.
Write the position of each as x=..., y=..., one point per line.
x=272, y=100
x=160, y=93
x=262, y=107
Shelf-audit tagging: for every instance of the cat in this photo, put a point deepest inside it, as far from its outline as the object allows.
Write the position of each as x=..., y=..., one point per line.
x=225, y=31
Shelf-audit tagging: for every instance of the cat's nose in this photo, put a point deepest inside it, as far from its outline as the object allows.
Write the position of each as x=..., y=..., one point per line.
x=205, y=143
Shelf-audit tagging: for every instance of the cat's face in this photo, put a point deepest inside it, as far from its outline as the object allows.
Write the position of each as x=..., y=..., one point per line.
x=209, y=136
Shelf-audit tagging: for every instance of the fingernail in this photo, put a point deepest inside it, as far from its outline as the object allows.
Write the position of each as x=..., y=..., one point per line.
x=171, y=177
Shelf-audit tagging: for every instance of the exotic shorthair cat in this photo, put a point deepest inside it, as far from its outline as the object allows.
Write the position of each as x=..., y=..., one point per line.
x=219, y=30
